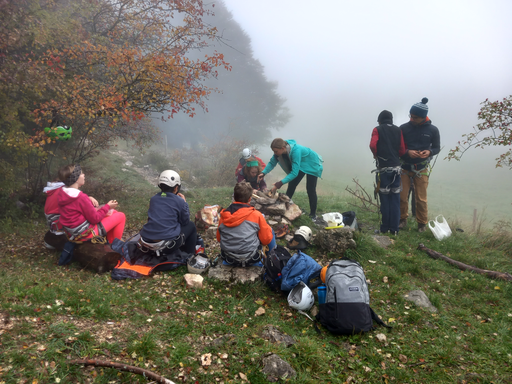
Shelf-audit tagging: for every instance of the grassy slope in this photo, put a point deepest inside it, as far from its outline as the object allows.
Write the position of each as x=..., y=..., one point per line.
x=53, y=314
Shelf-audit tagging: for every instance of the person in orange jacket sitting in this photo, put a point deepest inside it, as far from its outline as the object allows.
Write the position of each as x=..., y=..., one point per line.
x=243, y=230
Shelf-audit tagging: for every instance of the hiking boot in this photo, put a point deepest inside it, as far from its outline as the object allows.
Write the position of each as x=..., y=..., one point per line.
x=402, y=224
x=422, y=227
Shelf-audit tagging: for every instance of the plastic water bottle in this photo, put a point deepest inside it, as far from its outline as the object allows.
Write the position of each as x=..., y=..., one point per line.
x=322, y=291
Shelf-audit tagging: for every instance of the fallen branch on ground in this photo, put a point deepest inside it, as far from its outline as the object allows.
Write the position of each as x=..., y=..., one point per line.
x=124, y=367
x=465, y=267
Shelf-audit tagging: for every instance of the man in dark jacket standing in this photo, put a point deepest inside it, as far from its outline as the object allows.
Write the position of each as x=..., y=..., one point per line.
x=387, y=145
x=423, y=142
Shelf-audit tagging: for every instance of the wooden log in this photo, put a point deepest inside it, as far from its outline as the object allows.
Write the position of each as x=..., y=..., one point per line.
x=124, y=367
x=465, y=267
x=99, y=258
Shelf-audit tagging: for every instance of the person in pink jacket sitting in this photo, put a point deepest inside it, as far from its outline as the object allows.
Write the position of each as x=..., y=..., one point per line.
x=78, y=216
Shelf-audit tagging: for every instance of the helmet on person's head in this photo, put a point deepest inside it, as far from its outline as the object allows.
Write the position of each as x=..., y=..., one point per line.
x=198, y=264
x=169, y=178
x=301, y=238
x=301, y=297
x=246, y=153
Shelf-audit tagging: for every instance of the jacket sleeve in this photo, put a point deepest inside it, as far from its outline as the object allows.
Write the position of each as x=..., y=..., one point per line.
x=238, y=169
x=375, y=140
x=295, y=158
x=265, y=233
x=263, y=184
x=262, y=163
x=403, y=148
x=184, y=213
x=271, y=164
x=436, y=142
x=218, y=232
x=240, y=176
x=90, y=213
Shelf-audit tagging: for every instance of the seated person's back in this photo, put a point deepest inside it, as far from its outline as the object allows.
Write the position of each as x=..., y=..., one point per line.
x=242, y=229
x=169, y=216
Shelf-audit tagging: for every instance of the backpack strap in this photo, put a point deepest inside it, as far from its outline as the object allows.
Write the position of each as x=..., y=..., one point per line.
x=378, y=320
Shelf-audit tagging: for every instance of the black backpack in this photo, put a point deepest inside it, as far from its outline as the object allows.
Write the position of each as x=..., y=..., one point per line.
x=273, y=264
x=347, y=303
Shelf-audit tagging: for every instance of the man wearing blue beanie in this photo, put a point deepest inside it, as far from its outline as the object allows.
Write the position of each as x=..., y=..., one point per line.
x=423, y=142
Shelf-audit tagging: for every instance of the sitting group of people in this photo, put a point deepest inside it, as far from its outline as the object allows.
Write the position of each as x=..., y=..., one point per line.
x=243, y=232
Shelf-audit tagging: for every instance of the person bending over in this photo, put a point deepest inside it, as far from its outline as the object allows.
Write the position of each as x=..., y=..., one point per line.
x=296, y=161
x=250, y=173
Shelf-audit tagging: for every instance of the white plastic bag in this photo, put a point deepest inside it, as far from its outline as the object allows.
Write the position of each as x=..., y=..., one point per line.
x=333, y=219
x=440, y=229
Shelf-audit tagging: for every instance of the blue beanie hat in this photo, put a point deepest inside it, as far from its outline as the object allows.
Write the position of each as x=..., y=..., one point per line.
x=420, y=109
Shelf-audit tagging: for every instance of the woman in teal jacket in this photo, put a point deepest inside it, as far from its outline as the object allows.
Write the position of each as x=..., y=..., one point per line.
x=296, y=161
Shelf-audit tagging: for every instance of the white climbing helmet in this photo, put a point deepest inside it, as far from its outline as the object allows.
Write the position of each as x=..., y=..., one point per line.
x=169, y=178
x=301, y=297
x=301, y=238
x=305, y=232
x=198, y=264
x=246, y=153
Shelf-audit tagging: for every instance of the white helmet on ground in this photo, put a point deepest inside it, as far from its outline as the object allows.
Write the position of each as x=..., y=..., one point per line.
x=169, y=178
x=246, y=153
x=301, y=238
x=305, y=232
x=301, y=297
x=198, y=264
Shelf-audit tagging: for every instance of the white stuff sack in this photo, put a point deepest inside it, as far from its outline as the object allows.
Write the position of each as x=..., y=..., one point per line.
x=333, y=219
x=440, y=228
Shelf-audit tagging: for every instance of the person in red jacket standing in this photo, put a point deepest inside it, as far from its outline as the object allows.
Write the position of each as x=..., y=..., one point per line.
x=387, y=145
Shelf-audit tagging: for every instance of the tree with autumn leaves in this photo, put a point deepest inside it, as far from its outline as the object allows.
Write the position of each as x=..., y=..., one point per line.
x=495, y=129
x=99, y=66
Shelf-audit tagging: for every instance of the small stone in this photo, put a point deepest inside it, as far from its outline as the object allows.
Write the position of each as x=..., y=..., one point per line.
x=206, y=359
x=260, y=311
x=385, y=279
x=381, y=337
x=193, y=280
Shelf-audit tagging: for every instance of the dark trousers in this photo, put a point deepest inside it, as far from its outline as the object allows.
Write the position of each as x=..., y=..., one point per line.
x=310, y=188
x=190, y=233
x=389, y=194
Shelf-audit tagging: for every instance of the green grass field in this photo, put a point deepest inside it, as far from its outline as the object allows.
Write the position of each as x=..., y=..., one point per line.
x=50, y=315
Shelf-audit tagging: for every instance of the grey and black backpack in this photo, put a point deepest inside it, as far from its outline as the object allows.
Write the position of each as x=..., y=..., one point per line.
x=347, y=304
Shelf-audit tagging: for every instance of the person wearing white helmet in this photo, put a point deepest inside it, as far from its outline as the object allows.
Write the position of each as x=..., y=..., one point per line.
x=169, y=217
x=246, y=156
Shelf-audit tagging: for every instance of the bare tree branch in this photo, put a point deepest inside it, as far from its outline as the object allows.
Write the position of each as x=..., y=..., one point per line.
x=124, y=367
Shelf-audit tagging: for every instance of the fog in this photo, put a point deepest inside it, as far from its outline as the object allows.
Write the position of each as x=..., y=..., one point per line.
x=340, y=63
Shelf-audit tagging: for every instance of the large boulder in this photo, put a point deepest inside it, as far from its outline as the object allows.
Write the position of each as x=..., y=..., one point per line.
x=336, y=240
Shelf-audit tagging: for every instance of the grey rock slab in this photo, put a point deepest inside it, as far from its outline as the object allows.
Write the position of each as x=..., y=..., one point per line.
x=275, y=367
x=274, y=335
x=419, y=298
x=383, y=241
x=235, y=274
